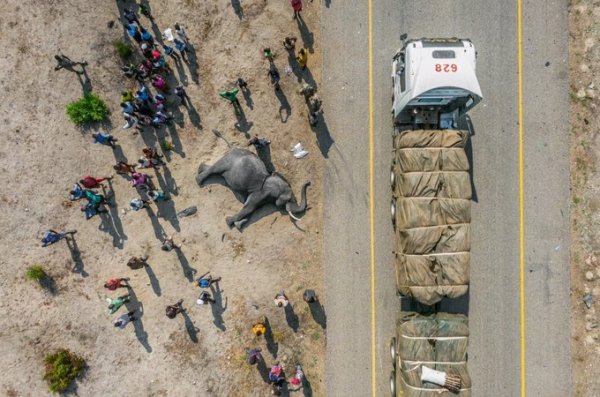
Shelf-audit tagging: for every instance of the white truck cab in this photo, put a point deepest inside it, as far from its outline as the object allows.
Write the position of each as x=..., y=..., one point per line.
x=434, y=82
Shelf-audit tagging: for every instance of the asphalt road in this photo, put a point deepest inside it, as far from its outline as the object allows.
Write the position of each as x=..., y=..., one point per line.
x=493, y=304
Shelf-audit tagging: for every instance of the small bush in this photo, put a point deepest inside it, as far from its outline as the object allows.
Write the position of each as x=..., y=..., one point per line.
x=87, y=109
x=62, y=367
x=166, y=146
x=123, y=49
x=35, y=273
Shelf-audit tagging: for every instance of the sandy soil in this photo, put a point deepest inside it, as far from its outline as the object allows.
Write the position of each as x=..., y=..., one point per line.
x=201, y=353
x=584, y=20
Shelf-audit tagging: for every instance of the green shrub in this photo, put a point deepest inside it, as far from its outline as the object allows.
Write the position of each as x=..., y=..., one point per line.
x=35, y=273
x=123, y=49
x=62, y=367
x=87, y=109
x=166, y=146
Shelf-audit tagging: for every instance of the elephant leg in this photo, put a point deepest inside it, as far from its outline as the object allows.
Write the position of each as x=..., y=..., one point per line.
x=253, y=201
x=204, y=171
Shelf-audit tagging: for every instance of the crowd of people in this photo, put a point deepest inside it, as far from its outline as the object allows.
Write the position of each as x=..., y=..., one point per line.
x=142, y=108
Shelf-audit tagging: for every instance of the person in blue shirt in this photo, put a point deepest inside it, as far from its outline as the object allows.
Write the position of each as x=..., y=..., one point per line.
x=104, y=139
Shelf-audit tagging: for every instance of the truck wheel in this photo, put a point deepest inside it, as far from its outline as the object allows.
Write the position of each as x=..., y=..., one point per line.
x=393, y=212
x=392, y=178
x=393, y=351
x=393, y=384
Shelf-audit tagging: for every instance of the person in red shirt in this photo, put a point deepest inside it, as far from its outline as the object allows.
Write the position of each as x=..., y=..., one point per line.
x=297, y=6
x=90, y=182
x=114, y=283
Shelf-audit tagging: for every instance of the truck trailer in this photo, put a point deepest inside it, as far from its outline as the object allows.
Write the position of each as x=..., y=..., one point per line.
x=434, y=87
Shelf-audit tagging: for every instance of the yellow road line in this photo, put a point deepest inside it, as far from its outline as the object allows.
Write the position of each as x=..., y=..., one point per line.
x=372, y=203
x=521, y=198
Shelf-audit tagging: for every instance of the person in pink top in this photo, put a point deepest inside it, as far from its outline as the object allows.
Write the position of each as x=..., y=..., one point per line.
x=139, y=179
x=297, y=6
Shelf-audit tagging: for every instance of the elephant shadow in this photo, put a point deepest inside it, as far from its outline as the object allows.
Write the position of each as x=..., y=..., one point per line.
x=265, y=210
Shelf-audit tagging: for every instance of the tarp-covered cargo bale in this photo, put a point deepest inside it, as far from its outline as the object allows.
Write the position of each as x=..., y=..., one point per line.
x=435, y=159
x=432, y=214
x=438, y=341
x=428, y=278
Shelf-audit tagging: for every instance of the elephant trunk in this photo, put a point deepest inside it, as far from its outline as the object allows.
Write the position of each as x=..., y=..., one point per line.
x=293, y=207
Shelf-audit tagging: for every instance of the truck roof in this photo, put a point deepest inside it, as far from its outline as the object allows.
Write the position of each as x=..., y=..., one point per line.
x=438, y=69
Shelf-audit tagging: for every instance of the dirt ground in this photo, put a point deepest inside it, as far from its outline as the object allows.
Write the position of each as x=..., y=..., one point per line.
x=202, y=352
x=584, y=20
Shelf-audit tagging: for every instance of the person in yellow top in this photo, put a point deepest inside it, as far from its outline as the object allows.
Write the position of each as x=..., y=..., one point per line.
x=259, y=328
x=302, y=58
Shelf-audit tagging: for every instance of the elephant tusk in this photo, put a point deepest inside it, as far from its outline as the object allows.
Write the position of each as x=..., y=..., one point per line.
x=293, y=217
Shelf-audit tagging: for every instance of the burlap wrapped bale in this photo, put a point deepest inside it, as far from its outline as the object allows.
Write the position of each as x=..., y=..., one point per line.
x=432, y=192
x=438, y=341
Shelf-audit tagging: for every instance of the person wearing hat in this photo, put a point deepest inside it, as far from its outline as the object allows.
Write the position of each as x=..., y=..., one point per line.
x=281, y=300
x=259, y=328
x=205, y=298
x=124, y=319
x=172, y=310
x=206, y=280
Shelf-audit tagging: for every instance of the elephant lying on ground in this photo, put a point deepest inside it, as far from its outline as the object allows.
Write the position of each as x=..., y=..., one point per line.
x=247, y=175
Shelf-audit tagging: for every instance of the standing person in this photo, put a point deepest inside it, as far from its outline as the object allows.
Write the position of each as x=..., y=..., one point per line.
x=139, y=179
x=115, y=304
x=274, y=75
x=50, y=237
x=182, y=48
x=130, y=121
x=114, y=283
x=302, y=58
x=276, y=377
x=135, y=263
x=281, y=300
x=131, y=16
x=182, y=94
x=297, y=6
x=134, y=33
x=137, y=204
x=170, y=51
x=173, y=310
x=127, y=107
x=76, y=192
x=159, y=83
x=289, y=43
x=297, y=379
x=253, y=356
x=231, y=96
x=168, y=244
x=260, y=327
x=93, y=182
x=242, y=84
x=157, y=195
x=126, y=96
x=91, y=210
x=309, y=296
x=147, y=37
x=124, y=319
x=95, y=199
x=181, y=33
x=104, y=138
x=122, y=168
x=269, y=54
x=205, y=298
x=206, y=280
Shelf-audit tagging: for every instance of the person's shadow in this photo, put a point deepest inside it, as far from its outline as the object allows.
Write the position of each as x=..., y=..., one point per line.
x=284, y=106
x=191, y=329
x=292, y=318
x=188, y=271
x=153, y=280
x=306, y=34
x=78, y=265
x=306, y=387
x=318, y=313
x=133, y=305
x=324, y=139
x=242, y=124
x=261, y=366
x=248, y=97
x=237, y=8
x=272, y=346
x=218, y=308
x=111, y=222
